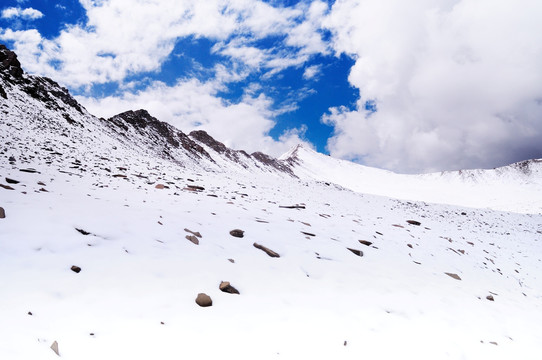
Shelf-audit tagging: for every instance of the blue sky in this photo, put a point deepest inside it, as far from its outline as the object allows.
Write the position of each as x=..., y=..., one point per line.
x=415, y=87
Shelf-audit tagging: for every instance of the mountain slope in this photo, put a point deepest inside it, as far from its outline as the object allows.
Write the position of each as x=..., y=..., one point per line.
x=109, y=230
x=516, y=187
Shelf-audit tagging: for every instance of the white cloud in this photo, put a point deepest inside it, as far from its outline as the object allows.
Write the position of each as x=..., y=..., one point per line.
x=192, y=105
x=311, y=72
x=457, y=83
x=17, y=12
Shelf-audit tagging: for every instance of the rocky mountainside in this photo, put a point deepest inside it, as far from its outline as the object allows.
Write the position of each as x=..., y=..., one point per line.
x=41, y=122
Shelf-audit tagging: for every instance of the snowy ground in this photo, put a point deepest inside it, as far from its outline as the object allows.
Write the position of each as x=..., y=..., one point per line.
x=135, y=295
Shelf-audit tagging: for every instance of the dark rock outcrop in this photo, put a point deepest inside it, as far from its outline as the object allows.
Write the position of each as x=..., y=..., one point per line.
x=9, y=62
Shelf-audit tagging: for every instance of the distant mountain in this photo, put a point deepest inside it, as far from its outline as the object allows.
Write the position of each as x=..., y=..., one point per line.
x=516, y=187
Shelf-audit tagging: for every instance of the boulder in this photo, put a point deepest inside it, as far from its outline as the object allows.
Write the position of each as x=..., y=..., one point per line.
x=204, y=300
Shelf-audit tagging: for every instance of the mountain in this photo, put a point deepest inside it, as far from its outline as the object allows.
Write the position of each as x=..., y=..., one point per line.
x=115, y=233
x=515, y=187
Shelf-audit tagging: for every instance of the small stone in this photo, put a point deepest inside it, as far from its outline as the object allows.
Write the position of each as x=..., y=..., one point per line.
x=409, y=245
x=232, y=261
x=204, y=300
x=490, y=298
x=237, y=233
x=307, y=233
x=455, y=276
x=160, y=186
x=54, y=347
x=357, y=252
x=30, y=313
x=414, y=222
x=2, y=213
x=226, y=287
x=193, y=239
x=76, y=269
x=365, y=242
x=7, y=187
x=195, y=233
x=345, y=343
x=12, y=181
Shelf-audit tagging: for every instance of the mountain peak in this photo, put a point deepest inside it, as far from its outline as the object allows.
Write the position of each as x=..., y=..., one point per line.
x=9, y=62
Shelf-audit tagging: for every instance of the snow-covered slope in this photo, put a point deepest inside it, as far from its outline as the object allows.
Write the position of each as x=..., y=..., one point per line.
x=108, y=233
x=517, y=187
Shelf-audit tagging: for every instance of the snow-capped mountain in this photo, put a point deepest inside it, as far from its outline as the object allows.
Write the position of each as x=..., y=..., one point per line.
x=516, y=187
x=117, y=234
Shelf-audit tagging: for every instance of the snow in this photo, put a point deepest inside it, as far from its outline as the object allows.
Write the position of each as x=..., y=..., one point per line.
x=507, y=188
x=135, y=295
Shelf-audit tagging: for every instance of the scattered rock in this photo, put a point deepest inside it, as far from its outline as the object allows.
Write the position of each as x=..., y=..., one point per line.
x=7, y=187
x=493, y=343
x=266, y=250
x=490, y=298
x=82, y=231
x=160, y=186
x=204, y=300
x=463, y=213
x=41, y=183
x=399, y=226
x=193, y=239
x=54, y=347
x=455, y=276
x=409, y=245
x=195, y=187
x=292, y=206
x=2, y=213
x=365, y=242
x=414, y=222
x=357, y=252
x=308, y=233
x=345, y=343
x=232, y=261
x=12, y=181
x=76, y=269
x=30, y=313
x=29, y=170
x=237, y=233
x=226, y=287
x=195, y=233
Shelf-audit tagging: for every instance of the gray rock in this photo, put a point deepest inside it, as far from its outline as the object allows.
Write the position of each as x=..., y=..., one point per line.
x=204, y=300
x=54, y=347
x=193, y=239
x=455, y=276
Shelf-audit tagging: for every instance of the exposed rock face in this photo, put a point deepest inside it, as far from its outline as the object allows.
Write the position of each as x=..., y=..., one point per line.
x=204, y=300
x=269, y=161
x=158, y=131
x=8, y=61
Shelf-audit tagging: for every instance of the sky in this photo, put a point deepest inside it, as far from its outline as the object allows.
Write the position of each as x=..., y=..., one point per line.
x=415, y=86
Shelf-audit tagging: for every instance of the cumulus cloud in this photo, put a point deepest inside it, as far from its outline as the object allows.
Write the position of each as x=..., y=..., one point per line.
x=17, y=12
x=311, y=72
x=193, y=105
x=456, y=83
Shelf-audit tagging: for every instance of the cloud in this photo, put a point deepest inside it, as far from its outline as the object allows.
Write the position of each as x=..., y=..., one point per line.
x=456, y=84
x=123, y=37
x=17, y=12
x=311, y=72
x=192, y=105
